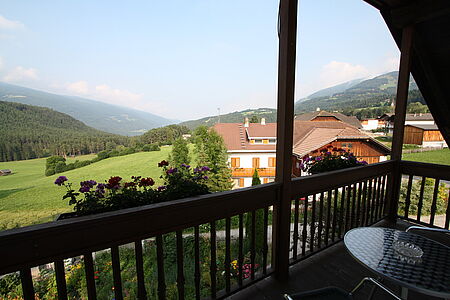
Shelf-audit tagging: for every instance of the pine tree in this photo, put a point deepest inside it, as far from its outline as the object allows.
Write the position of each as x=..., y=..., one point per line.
x=259, y=224
x=211, y=151
x=180, y=153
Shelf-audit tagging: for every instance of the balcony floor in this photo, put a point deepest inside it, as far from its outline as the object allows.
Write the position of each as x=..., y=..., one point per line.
x=331, y=267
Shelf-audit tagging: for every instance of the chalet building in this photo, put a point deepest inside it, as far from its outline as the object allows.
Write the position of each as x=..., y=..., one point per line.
x=321, y=115
x=425, y=135
x=253, y=145
x=250, y=146
x=419, y=119
x=310, y=137
x=373, y=124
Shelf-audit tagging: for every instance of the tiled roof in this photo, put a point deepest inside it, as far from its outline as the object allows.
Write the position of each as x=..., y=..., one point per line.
x=352, y=120
x=235, y=136
x=419, y=117
x=425, y=127
x=258, y=130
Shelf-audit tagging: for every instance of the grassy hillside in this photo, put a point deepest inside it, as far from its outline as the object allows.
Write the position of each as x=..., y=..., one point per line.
x=441, y=157
x=235, y=117
x=100, y=115
x=30, y=131
x=28, y=197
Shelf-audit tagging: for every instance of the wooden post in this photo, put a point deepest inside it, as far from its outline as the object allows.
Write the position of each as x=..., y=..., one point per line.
x=285, y=119
x=399, y=121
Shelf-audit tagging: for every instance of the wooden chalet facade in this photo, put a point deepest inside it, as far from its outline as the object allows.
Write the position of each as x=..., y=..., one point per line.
x=424, y=135
x=372, y=195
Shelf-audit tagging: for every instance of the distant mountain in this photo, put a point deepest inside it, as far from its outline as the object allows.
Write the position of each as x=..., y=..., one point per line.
x=270, y=114
x=100, y=115
x=377, y=91
x=30, y=131
x=333, y=90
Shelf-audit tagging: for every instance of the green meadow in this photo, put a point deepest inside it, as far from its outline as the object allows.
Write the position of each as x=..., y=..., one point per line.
x=441, y=157
x=29, y=197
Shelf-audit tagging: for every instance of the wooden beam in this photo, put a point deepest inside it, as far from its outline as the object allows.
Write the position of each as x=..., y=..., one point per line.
x=419, y=11
x=285, y=120
x=400, y=116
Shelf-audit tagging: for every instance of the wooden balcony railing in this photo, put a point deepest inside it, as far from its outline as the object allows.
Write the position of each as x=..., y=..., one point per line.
x=424, y=194
x=234, y=227
x=248, y=172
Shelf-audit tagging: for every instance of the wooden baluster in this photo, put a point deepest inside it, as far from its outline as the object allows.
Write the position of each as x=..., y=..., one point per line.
x=241, y=250
x=197, y=262
x=364, y=204
x=180, y=265
x=252, y=245
x=327, y=225
x=213, y=266
x=305, y=225
x=382, y=196
x=408, y=196
x=265, y=243
x=420, y=204
x=378, y=204
x=295, y=235
x=27, y=284
x=433, y=204
x=374, y=200
x=60, y=275
x=347, y=209
x=353, y=209
x=313, y=225
x=141, y=292
x=115, y=262
x=160, y=265
x=359, y=204
x=369, y=202
x=335, y=214
x=320, y=225
x=89, y=271
x=341, y=213
x=227, y=255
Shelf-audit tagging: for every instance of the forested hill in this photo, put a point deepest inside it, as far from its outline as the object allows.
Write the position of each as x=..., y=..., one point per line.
x=270, y=114
x=29, y=132
x=99, y=115
x=375, y=92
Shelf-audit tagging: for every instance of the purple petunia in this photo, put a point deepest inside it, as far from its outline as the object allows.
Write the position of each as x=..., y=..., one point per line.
x=318, y=158
x=205, y=177
x=185, y=166
x=205, y=168
x=172, y=170
x=60, y=180
x=161, y=188
x=85, y=189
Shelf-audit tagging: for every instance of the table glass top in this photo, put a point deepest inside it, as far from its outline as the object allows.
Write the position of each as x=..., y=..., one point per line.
x=423, y=266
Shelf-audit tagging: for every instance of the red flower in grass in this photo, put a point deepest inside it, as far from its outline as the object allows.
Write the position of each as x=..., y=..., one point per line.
x=114, y=182
x=146, y=182
x=163, y=163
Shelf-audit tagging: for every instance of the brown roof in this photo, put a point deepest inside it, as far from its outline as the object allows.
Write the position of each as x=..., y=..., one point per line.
x=430, y=127
x=310, y=135
x=351, y=120
x=235, y=136
x=419, y=117
x=257, y=130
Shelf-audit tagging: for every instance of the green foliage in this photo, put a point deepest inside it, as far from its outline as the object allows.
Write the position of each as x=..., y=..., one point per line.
x=30, y=132
x=417, y=108
x=330, y=160
x=259, y=224
x=254, y=119
x=269, y=114
x=211, y=151
x=164, y=135
x=441, y=201
x=255, y=178
x=180, y=153
x=441, y=157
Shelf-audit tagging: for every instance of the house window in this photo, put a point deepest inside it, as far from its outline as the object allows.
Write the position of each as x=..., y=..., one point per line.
x=258, y=141
x=241, y=182
x=255, y=162
x=252, y=141
x=272, y=162
x=266, y=180
x=272, y=141
x=235, y=162
x=265, y=141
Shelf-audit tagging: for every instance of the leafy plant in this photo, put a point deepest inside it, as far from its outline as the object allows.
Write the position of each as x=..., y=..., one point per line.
x=331, y=159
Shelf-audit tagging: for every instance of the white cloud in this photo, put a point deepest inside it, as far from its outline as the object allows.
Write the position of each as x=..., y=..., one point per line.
x=10, y=24
x=79, y=87
x=20, y=74
x=337, y=72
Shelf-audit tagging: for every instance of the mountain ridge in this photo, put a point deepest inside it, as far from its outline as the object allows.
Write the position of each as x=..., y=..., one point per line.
x=100, y=115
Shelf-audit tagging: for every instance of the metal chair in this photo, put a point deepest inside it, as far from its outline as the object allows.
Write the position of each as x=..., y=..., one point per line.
x=438, y=234
x=335, y=293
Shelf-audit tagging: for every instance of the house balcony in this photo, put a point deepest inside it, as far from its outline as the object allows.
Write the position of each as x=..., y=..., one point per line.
x=194, y=248
x=248, y=172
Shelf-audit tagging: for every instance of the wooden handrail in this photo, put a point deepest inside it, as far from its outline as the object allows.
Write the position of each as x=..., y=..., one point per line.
x=39, y=244
x=425, y=169
x=320, y=182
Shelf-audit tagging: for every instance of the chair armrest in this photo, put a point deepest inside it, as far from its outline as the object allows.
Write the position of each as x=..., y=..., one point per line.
x=428, y=229
x=373, y=281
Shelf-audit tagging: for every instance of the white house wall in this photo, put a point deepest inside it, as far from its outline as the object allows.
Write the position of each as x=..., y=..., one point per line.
x=246, y=159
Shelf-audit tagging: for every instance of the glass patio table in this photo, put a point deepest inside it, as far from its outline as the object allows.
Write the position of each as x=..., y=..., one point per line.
x=410, y=260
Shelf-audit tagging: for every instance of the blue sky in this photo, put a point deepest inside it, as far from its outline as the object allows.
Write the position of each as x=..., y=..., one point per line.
x=184, y=59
